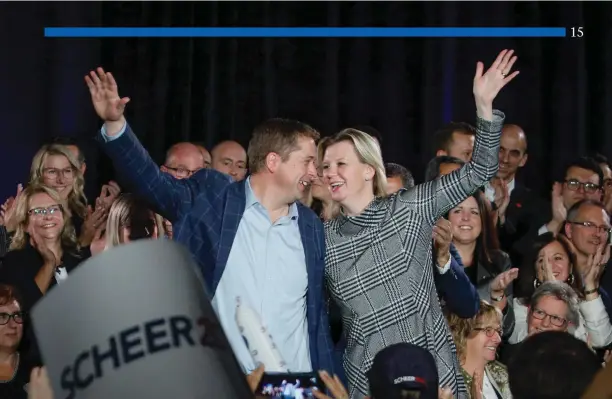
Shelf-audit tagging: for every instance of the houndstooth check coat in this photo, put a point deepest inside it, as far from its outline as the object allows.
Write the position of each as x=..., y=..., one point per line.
x=379, y=267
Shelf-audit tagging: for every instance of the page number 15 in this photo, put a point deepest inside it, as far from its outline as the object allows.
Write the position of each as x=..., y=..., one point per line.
x=577, y=31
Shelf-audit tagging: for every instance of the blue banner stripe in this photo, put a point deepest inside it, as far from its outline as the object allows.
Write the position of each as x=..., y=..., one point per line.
x=305, y=32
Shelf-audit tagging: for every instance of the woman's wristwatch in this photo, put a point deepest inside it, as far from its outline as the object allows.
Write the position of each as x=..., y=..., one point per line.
x=589, y=292
x=497, y=298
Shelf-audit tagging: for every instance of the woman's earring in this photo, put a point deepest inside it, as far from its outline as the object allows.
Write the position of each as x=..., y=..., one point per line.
x=536, y=283
x=570, y=279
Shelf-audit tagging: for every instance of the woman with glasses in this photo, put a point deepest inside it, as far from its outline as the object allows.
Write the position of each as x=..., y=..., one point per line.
x=477, y=340
x=14, y=367
x=553, y=307
x=44, y=249
x=55, y=166
x=551, y=259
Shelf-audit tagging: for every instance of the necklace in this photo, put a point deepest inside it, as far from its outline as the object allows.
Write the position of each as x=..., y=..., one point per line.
x=15, y=367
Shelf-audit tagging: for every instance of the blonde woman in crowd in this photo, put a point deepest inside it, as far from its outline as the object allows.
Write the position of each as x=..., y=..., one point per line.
x=55, y=166
x=44, y=249
x=378, y=250
x=129, y=219
x=477, y=340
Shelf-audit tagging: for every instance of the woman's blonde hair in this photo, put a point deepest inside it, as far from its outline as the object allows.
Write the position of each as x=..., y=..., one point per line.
x=77, y=202
x=125, y=210
x=22, y=208
x=463, y=329
x=367, y=150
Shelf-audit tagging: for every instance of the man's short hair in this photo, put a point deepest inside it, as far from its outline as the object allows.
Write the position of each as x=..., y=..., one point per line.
x=572, y=213
x=433, y=166
x=397, y=170
x=371, y=131
x=600, y=158
x=64, y=140
x=587, y=163
x=443, y=138
x=279, y=136
x=552, y=364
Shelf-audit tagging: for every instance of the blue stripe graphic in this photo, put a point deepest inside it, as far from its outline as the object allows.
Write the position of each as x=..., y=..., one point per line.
x=305, y=32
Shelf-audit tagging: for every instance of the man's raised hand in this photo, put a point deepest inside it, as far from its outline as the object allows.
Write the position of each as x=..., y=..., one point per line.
x=105, y=95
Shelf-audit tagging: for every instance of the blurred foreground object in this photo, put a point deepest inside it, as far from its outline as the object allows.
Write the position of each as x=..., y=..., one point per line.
x=136, y=322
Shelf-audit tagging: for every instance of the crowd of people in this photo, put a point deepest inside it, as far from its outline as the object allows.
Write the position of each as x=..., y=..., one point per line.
x=468, y=285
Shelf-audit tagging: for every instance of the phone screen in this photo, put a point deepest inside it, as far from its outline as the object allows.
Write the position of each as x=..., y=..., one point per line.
x=289, y=385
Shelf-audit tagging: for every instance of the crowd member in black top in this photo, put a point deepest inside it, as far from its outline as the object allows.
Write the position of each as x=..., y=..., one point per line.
x=44, y=249
x=15, y=368
x=487, y=267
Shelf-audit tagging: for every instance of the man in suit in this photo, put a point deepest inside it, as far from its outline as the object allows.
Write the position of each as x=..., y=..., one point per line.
x=246, y=236
x=518, y=208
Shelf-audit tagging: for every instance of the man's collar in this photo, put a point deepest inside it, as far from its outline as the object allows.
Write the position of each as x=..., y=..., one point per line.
x=251, y=200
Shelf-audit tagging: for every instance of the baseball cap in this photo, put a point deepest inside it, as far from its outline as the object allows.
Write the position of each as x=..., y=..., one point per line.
x=403, y=366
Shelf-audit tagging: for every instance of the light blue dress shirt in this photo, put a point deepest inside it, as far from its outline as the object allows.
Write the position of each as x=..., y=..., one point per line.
x=266, y=269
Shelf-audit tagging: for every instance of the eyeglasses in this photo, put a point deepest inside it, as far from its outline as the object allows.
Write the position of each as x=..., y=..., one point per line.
x=574, y=185
x=593, y=227
x=490, y=331
x=53, y=173
x=45, y=211
x=182, y=172
x=554, y=320
x=6, y=317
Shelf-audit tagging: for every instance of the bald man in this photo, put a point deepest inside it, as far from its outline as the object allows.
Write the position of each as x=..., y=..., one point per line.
x=205, y=154
x=183, y=160
x=230, y=158
x=522, y=211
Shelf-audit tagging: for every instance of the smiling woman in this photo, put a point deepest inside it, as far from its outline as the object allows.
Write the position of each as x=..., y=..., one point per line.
x=477, y=340
x=44, y=249
x=55, y=166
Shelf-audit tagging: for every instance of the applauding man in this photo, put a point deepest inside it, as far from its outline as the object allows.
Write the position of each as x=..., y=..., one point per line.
x=251, y=239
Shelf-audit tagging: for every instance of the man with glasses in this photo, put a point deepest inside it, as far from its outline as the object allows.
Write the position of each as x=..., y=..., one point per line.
x=183, y=160
x=588, y=228
x=582, y=180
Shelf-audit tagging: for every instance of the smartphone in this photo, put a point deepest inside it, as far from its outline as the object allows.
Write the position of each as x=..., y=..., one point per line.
x=289, y=385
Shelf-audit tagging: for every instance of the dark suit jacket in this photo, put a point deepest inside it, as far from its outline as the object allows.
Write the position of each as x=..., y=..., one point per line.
x=459, y=294
x=206, y=210
x=526, y=213
x=19, y=269
x=485, y=274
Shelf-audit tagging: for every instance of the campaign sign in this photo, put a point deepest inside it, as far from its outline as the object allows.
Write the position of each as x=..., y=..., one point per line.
x=135, y=322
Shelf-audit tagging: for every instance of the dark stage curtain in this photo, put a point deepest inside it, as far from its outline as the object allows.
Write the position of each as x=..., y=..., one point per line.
x=212, y=89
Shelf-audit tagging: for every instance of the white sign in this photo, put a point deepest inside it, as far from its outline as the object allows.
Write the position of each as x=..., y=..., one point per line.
x=135, y=322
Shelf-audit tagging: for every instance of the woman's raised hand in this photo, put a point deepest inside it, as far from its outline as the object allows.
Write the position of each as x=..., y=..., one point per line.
x=488, y=84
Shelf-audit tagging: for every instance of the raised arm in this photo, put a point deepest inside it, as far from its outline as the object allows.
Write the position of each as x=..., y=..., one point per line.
x=167, y=195
x=433, y=199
